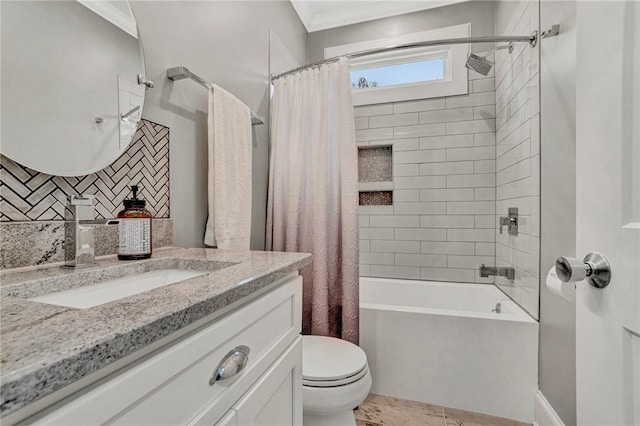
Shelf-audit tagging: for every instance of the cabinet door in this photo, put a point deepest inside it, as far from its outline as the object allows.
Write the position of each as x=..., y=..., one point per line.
x=276, y=399
x=229, y=419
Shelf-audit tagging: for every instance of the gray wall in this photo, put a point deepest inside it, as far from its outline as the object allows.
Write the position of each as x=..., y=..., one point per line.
x=557, y=357
x=225, y=42
x=479, y=13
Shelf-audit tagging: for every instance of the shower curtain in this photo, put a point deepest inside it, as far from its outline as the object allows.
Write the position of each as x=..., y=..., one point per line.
x=313, y=193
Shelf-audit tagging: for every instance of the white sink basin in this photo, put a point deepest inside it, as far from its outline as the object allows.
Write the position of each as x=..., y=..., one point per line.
x=108, y=291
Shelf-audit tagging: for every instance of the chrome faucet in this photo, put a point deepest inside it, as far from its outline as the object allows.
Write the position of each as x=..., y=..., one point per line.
x=79, y=242
x=499, y=271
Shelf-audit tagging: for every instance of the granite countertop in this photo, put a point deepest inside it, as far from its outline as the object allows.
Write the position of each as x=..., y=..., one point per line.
x=46, y=347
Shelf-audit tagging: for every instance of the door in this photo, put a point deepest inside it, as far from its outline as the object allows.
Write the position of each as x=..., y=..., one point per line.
x=608, y=210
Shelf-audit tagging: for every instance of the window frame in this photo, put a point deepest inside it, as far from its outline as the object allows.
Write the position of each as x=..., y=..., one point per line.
x=455, y=81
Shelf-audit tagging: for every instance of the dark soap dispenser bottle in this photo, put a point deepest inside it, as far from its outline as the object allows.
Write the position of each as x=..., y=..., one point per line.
x=134, y=229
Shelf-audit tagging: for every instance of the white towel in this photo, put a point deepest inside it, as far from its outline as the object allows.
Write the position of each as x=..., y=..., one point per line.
x=229, y=129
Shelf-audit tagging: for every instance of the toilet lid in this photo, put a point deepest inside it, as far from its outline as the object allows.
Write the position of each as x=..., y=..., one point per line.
x=327, y=361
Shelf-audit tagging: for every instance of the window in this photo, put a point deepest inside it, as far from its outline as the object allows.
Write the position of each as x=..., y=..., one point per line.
x=394, y=74
x=407, y=74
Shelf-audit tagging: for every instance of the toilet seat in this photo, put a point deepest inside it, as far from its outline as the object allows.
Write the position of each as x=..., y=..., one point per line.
x=331, y=362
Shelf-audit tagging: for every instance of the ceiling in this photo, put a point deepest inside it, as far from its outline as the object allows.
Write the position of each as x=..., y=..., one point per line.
x=319, y=15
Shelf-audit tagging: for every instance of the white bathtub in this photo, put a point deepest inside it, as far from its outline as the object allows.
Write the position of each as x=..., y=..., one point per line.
x=440, y=343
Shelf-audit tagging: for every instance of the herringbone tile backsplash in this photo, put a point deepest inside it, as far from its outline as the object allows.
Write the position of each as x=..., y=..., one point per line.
x=27, y=195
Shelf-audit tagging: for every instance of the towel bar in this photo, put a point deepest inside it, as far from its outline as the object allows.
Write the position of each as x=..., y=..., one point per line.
x=182, y=72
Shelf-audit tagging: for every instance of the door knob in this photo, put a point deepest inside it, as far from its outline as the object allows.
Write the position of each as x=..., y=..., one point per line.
x=595, y=268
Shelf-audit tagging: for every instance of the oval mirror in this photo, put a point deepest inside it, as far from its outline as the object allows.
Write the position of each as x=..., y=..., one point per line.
x=71, y=100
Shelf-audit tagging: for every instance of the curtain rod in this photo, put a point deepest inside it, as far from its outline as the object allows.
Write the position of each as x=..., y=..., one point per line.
x=182, y=72
x=531, y=39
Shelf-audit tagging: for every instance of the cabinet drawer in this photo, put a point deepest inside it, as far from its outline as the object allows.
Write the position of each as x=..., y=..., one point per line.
x=172, y=386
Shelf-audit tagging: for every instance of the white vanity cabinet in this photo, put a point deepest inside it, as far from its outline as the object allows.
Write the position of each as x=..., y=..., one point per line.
x=174, y=385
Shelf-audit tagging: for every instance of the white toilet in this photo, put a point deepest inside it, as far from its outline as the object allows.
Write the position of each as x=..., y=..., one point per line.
x=335, y=380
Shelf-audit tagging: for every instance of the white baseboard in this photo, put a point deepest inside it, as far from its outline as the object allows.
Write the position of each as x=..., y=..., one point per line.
x=545, y=415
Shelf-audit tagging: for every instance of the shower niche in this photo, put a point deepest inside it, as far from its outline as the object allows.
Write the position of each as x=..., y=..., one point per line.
x=375, y=175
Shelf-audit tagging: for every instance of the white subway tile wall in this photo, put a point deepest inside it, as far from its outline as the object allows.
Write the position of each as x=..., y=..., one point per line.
x=518, y=159
x=441, y=225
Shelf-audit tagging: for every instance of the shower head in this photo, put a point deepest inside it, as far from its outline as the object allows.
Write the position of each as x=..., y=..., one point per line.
x=479, y=64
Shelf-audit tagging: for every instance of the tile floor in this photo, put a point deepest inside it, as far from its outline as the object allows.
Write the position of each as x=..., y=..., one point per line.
x=379, y=410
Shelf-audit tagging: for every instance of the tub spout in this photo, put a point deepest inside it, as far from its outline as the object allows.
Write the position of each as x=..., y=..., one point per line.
x=487, y=271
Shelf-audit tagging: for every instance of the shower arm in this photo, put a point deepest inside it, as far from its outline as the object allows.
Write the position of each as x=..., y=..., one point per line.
x=531, y=39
